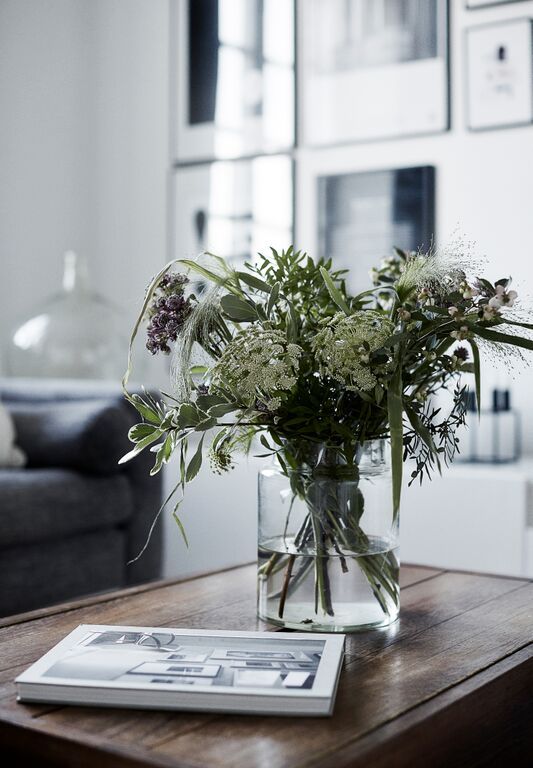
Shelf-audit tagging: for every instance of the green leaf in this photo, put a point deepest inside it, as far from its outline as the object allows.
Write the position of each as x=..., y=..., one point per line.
x=139, y=431
x=477, y=374
x=147, y=411
x=274, y=295
x=395, y=408
x=334, y=292
x=195, y=463
x=204, y=402
x=254, y=282
x=141, y=445
x=421, y=429
x=237, y=309
x=209, y=275
x=188, y=415
x=504, y=320
x=163, y=455
x=206, y=424
x=502, y=338
x=179, y=523
x=223, y=409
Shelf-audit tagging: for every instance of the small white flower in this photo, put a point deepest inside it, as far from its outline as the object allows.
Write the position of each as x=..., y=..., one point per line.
x=453, y=311
x=511, y=298
x=489, y=312
x=460, y=334
x=496, y=302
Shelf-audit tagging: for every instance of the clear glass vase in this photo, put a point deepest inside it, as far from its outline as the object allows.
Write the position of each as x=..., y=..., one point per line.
x=75, y=334
x=328, y=549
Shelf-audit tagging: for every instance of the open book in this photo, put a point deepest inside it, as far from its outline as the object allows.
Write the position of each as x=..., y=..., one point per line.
x=277, y=673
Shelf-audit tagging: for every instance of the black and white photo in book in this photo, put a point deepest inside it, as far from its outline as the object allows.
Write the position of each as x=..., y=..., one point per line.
x=372, y=69
x=487, y=3
x=232, y=77
x=141, y=666
x=233, y=208
x=363, y=215
x=499, y=61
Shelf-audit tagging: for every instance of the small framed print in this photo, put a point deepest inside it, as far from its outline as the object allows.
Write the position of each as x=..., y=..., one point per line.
x=499, y=60
x=372, y=69
x=233, y=208
x=363, y=215
x=234, y=90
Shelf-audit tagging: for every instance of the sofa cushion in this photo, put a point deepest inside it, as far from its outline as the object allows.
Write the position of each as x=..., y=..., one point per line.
x=88, y=435
x=38, y=505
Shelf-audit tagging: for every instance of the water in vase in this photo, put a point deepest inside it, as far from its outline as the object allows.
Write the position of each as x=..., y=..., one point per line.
x=338, y=591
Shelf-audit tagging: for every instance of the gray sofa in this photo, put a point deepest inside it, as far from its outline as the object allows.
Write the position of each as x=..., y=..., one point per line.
x=72, y=518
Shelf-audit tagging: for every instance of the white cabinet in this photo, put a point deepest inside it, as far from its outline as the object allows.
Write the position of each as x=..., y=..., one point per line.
x=473, y=518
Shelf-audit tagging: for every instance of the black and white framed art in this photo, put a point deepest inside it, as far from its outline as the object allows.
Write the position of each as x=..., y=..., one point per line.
x=233, y=208
x=234, y=93
x=499, y=63
x=363, y=215
x=372, y=69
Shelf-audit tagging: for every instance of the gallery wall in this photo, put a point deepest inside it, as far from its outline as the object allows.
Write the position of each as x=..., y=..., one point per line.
x=483, y=194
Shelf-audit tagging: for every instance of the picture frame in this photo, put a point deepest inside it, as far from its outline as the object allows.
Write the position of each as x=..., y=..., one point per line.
x=399, y=69
x=233, y=208
x=356, y=215
x=499, y=74
x=233, y=92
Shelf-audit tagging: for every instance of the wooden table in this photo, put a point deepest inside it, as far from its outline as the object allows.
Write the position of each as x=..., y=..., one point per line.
x=451, y=684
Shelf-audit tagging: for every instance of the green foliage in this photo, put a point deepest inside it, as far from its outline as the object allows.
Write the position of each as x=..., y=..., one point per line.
x=295, y=360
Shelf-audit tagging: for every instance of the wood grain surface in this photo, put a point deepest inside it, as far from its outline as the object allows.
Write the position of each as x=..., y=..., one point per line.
x=450, y=684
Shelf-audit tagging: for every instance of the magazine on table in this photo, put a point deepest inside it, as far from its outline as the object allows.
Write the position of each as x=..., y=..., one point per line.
x=279, y=673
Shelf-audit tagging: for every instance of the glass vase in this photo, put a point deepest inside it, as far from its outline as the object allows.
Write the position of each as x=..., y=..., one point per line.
x=328, y=549
x=75, y=334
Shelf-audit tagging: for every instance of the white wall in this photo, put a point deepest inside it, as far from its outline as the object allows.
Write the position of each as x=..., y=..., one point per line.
x=83, y=146
x=45, y=147
x=484, y=186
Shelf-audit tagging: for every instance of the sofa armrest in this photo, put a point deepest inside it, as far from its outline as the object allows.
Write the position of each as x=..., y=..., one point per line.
x=88, y=435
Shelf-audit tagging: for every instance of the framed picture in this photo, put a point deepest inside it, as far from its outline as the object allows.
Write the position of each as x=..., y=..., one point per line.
x=362, y=216
x=499, y=60
x=234, y=93
x=372, y=69
x=233, y=208
x=487, y=3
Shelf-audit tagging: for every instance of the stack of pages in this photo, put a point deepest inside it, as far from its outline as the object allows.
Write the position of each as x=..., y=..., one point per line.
x=165, y=668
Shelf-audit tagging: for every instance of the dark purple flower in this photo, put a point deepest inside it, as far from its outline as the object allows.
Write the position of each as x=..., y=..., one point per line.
x=167, y=313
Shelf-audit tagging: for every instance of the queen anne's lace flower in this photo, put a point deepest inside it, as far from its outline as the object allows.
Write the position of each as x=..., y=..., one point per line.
x=343, y=347
x=258, y=364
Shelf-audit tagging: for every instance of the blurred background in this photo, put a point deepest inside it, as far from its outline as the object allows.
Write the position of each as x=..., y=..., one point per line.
x=137, y=131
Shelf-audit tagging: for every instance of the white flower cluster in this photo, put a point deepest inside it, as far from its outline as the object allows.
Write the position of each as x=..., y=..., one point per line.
x=344, y=345
x=258, y=365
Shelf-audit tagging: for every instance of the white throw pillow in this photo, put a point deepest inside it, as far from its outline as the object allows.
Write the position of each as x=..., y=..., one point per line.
x=10, y=454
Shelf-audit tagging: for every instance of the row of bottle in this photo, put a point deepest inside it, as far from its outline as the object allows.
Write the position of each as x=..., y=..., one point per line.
x=494, y=438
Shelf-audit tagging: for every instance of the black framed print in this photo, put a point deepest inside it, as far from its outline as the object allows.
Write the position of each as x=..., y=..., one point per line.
x=234, y=94
x=362, y=216
x=499, y=62
x=372, y=69
x=233, y=208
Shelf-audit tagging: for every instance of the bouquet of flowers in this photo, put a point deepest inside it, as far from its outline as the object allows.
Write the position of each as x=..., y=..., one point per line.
x=279, y=353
